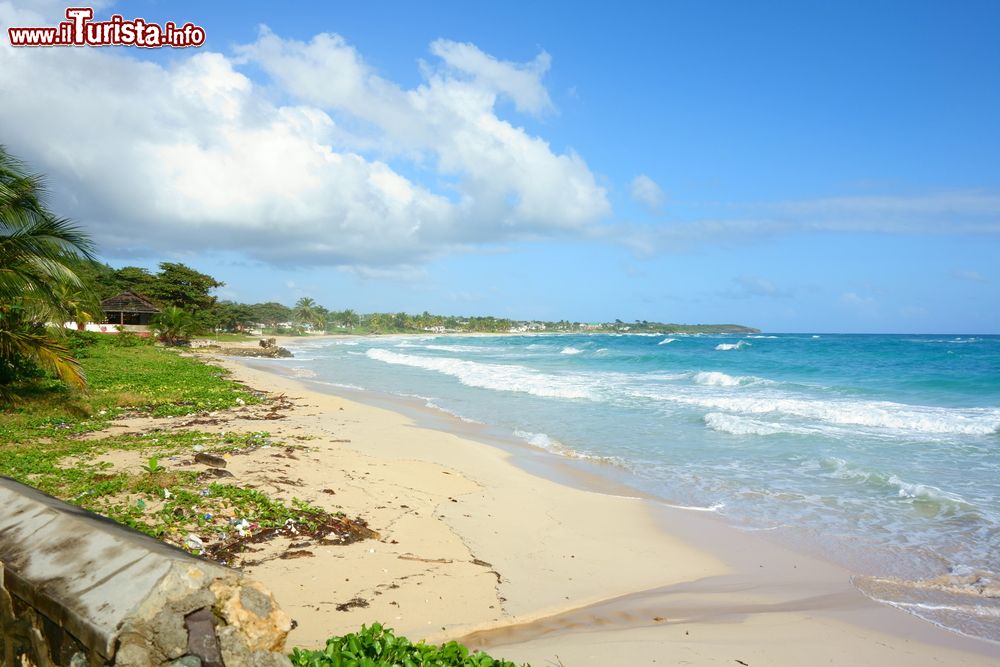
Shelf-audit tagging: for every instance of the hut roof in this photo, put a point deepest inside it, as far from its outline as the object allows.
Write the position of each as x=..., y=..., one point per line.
x=128, y=302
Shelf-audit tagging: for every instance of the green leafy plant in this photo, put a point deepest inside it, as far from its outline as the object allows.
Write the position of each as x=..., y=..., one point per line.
x=174, y=325
x=377, y=646
x=153, y=465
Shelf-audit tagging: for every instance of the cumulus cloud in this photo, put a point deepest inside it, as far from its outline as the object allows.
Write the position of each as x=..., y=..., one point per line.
x=745, y=287
x=323, y=162
x=645, y=191
x=521, y=83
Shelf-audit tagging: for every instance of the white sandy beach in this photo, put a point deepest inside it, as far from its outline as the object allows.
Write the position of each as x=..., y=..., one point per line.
x=474, y=547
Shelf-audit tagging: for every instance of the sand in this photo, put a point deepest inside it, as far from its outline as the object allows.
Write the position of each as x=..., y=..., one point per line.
x=474, y=546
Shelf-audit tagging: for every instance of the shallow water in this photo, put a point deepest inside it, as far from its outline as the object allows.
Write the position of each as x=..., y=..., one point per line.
x=880, y=452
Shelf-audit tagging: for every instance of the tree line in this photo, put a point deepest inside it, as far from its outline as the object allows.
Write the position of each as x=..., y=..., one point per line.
x=49, y=275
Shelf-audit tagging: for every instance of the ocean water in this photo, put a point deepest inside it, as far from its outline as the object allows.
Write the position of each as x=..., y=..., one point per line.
x=879, y=452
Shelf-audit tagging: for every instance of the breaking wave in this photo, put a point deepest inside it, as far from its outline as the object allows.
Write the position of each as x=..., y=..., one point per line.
x=874, y=414
x=498, y=377
x=732, y=346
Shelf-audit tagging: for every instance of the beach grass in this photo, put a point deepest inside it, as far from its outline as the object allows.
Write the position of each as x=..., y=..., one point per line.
x=44, y=442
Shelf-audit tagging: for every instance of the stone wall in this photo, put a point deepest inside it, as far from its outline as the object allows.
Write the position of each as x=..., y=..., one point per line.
x=80, y=590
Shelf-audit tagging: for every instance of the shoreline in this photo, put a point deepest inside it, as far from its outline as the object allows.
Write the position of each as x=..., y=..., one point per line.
x=686, y=569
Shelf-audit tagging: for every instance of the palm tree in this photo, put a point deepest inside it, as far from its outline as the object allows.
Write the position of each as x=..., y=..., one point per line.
x=37, y=249
x=37, y=253
x=174, y=326
x=76, y=304
x=307, y=312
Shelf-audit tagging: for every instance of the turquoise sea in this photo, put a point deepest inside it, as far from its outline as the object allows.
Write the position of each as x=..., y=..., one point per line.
x=880, y=452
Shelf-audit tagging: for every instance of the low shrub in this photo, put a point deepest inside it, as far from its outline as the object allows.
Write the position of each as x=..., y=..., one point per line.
x=377, y=646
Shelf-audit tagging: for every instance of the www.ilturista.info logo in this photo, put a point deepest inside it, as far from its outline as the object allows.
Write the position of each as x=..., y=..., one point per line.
x=81, y=30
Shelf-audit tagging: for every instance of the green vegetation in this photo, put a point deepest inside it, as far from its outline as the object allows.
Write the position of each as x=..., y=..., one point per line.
x=45, y=442
x=38, y=253
x=377, y=646
x=174, y=325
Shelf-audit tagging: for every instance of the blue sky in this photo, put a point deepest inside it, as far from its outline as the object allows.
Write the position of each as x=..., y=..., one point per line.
x=796, y=166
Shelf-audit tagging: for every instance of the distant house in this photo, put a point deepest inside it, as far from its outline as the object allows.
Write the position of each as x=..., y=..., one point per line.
x=128, y=308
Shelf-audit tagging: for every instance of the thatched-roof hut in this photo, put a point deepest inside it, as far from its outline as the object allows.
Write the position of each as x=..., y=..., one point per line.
x=128, y=308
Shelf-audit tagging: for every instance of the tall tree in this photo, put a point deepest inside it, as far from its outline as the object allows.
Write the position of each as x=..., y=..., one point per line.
x=133, y=279
x=271, y=313
x=307, y=311
x=181, y=286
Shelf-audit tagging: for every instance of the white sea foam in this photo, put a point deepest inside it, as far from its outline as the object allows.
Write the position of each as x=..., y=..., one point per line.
x=874, y=414
x=666, y=341
x=841, y=469
x=570, y=350
x=913, y=491
x=695, y=508
x=434, y=406
x=735, y=425
x=732, y=346
x=342, y=385
x=761, y=336
x=543, y=441
x=536, y=439
x=499, y=377
x=716, y=379
x=461, y=348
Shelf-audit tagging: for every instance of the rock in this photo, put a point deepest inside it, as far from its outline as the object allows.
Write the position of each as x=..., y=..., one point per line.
x=210, y=460
x=186, y=661
x=216, y=472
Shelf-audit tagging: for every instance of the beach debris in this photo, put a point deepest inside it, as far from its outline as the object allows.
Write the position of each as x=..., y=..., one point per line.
x=299, y=553
x=659, y=619
x=242, y=526
x=325, y=529
x=745, y=664
x=210, y=460
x=351, y=604
x=482, y=563
x=330, y=491
x=409, y=556
x=193, y=542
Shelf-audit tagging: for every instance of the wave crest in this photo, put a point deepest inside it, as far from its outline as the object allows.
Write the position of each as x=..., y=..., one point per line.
x=732, y=346
x=499, y=377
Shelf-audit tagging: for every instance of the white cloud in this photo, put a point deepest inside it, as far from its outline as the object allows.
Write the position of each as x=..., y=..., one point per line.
x=745, y=287
x=961, y=212
x=859, y=302
x=522, y=83
x=325, y=162
x=647, y=192
x=971, y=276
